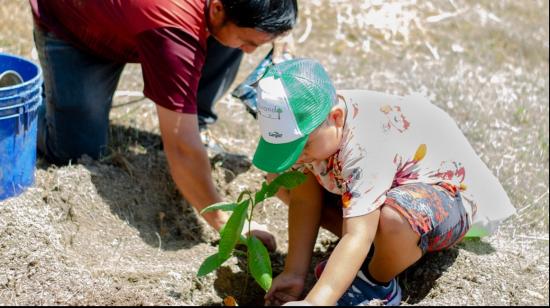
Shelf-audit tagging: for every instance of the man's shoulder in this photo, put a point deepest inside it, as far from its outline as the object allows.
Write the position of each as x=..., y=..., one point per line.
x=176, y=5
x=183, y=14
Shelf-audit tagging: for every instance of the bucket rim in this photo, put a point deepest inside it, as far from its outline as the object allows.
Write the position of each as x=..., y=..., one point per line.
x=31, y=92
x=30, y=101
x=28, y=82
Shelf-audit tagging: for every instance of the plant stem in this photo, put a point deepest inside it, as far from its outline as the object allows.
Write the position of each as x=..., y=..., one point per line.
x=249, y=218
x=245, y=282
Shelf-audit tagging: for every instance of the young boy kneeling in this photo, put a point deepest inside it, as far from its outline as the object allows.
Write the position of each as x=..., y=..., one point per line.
x=406, y=179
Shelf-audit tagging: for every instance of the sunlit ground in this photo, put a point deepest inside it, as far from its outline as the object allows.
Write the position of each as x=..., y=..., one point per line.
x=485, y=62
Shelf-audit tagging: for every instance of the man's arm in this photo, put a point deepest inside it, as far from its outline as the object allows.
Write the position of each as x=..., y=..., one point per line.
x=170, y=75
x=345, y=260
x=190, y=169
x=188, y=162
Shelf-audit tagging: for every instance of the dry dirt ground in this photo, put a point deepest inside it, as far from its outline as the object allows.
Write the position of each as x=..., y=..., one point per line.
x=117, y=232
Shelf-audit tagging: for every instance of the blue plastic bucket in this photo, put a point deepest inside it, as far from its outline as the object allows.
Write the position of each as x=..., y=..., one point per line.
x=18, y=125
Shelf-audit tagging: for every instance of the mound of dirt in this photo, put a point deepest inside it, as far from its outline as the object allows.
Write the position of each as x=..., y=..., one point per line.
x=117, y=232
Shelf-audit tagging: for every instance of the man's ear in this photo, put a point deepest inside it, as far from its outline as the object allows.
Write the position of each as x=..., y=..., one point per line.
x=337, y=116
x=216, y=12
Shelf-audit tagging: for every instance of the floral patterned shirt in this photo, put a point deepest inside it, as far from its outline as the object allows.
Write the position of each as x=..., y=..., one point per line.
x=392, y=140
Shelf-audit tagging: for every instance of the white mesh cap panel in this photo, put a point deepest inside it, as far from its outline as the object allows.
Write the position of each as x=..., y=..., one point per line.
x=276, y=118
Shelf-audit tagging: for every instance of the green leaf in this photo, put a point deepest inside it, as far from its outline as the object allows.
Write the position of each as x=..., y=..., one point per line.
x=259, y=263
x=224, y=206
x=210, y=264
x=261, y=194
x=232, y=230
x=287, y=180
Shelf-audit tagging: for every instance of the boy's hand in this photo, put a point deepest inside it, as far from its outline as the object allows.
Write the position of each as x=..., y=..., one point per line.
x=262, y=233
x=285, y=288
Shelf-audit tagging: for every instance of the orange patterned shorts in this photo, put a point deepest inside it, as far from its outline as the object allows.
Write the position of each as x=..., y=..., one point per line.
x=434, y=211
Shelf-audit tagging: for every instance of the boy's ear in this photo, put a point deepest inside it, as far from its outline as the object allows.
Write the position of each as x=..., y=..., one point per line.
x=337, y=116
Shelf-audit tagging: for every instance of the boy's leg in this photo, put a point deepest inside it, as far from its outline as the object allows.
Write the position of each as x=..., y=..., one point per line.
x=219, y=70
x=415, y=219
x=396, y=246
x=79, y=87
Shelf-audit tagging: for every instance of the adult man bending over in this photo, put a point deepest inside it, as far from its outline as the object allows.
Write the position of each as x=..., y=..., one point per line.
x=189, y=51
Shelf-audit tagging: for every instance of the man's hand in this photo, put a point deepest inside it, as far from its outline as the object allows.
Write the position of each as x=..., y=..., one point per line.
x=286, y=287
x=262, y=233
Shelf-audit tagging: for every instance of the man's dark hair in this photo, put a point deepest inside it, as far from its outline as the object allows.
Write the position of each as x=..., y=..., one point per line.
x=269, y=16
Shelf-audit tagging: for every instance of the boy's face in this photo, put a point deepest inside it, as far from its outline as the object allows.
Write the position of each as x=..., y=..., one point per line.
x=324, y=141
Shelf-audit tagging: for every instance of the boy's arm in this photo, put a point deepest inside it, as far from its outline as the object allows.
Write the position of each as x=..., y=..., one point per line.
x=345, y=260
x=303, y=224
x=304, y=218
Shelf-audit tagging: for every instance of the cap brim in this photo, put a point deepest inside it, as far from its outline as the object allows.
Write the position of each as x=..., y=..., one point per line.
x=275, y=158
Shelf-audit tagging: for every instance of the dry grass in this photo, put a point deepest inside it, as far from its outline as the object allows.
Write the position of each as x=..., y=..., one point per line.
x=89, y=233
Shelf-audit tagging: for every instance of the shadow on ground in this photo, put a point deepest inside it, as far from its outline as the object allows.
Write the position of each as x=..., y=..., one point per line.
x=477, y=246
x=417, y=281
x=134, y=180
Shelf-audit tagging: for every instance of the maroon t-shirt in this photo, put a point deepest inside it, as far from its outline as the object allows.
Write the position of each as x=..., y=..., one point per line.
x=168, y=38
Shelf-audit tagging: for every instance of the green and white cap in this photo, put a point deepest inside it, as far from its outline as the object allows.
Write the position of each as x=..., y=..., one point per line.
x=294, y=98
